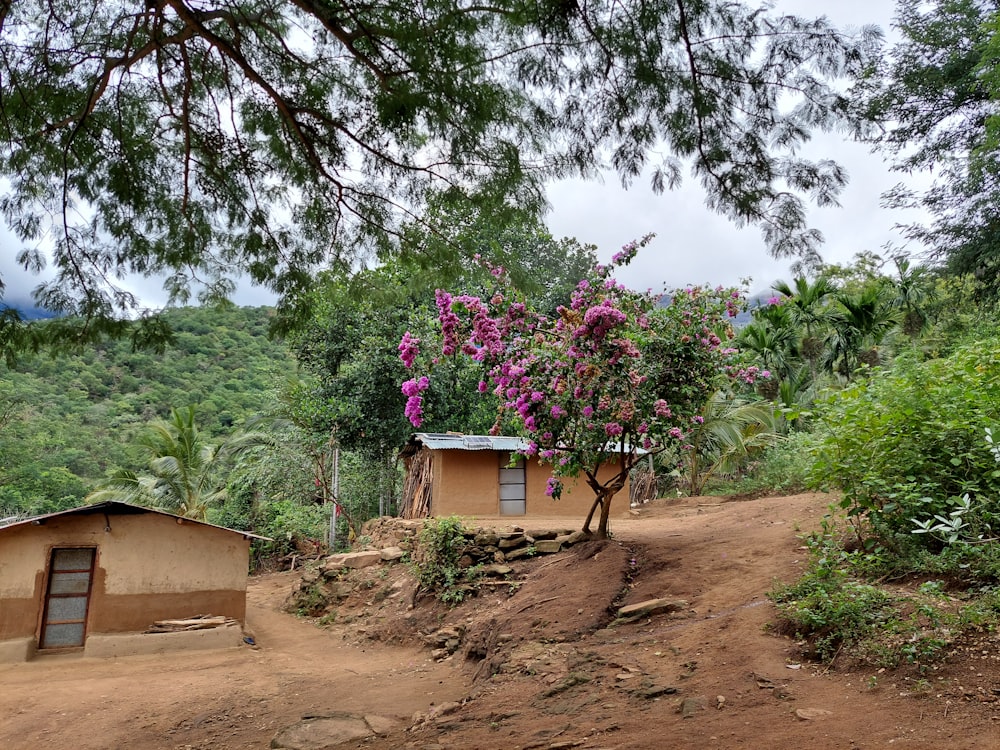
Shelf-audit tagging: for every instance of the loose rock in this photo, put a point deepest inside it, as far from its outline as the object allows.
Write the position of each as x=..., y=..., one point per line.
x=651, y=607
x=811, y=714
x=317, y=732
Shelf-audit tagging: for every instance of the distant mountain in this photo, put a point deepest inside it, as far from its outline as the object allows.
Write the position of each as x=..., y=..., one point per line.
x=26, y=308
x=740, y=320
x=76, y=415
x=757, y=300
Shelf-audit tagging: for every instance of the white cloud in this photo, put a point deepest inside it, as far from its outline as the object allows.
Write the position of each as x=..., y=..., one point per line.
x=695, y=245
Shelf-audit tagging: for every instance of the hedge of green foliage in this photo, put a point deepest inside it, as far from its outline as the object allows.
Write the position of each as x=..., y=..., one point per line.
x=290, y=527
x=907, y=444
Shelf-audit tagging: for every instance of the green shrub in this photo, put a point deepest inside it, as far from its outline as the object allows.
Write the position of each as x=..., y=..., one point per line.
x=438, y=568
x=289, y=526
x=833, y=610
x=905, y=443
x=781, y=469
x=830, y=609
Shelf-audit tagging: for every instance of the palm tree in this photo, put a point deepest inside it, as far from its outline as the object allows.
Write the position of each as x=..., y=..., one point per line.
x=185, y=472
x=796, y=394
x=913, y=291
x=858, y=328
x=727, y=432
x=771, y=336
x=806, y=304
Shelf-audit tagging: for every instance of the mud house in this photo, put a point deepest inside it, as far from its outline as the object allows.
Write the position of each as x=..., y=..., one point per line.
x=478, y=475
x=94, y=578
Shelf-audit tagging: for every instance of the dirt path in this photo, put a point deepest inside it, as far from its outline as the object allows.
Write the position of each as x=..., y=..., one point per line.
x=557, y=677
x=216, y=700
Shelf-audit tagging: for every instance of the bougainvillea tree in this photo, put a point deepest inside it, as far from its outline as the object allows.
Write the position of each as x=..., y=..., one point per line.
x=613, y=376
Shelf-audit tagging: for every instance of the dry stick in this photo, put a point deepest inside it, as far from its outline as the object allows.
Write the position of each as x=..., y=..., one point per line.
x=535, y=604
x=830, y=665
x=547, y=564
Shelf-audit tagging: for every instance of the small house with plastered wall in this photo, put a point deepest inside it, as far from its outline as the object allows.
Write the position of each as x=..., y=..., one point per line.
x=450, y=474
x=92, y=579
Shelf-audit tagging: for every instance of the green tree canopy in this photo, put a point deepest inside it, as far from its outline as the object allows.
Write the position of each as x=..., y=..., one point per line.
x=186, y=473
x=932, y=96
x=198, y=140
x=346, y=333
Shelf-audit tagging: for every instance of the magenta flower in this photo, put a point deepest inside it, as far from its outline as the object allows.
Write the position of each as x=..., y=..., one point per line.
x=409, y=349
x=414, y=410
x=413, y=387
x=414, y=402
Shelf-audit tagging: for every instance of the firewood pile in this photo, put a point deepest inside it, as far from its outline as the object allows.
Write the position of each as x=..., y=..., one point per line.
x=642, y=487
x=417, y=486
x=198, y=622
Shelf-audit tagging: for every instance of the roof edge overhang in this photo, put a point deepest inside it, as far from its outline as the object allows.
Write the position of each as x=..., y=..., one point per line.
x=116, y=508
x=502, y=443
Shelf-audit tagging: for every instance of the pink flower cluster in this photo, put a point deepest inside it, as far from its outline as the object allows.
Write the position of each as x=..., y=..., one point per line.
x=449, y=323
x=409, y=349
x=751, y=374
x=414, y=402
x=598, y=320
x=485, y=337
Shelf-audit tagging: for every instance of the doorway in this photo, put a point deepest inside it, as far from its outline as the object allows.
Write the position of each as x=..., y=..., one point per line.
x=67, y=599
x=512, y=486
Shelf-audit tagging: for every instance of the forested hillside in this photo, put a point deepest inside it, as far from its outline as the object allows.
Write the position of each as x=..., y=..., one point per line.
x=66, y=420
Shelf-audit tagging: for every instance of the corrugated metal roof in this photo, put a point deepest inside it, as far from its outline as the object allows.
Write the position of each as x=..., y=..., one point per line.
x=456, y=441
x=113, y=507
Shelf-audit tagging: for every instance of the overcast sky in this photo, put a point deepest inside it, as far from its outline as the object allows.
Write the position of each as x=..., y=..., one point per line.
x=693, y=245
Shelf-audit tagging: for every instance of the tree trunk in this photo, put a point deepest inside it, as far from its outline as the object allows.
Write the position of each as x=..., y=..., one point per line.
x=603, y=497
x=602, y=501
x=590, y=515
x=602, y=529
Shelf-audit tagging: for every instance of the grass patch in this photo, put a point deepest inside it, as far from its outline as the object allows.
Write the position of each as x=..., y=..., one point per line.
x=439, y=569
x=840, y=610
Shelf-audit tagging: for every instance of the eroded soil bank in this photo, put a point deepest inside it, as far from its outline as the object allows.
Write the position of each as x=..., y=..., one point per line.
x=541, y=664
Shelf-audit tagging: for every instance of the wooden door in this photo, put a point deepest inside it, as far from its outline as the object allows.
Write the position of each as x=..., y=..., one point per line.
x=67, y=599
x=512, y=487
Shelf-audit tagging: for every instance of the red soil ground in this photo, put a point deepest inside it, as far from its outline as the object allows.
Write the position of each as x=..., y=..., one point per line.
x=540, y=667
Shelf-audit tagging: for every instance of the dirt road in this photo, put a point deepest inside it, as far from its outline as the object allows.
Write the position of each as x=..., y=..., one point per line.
x=544, y=670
